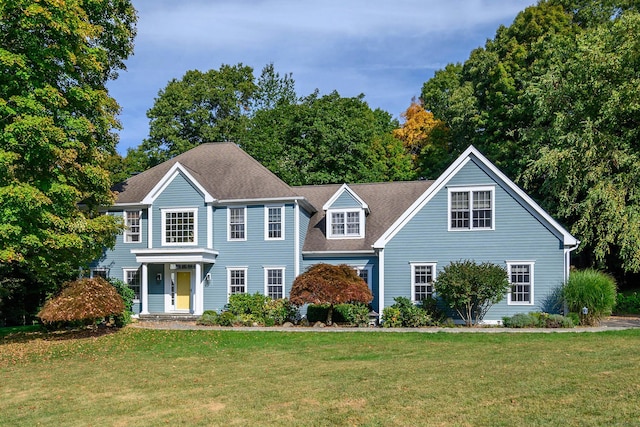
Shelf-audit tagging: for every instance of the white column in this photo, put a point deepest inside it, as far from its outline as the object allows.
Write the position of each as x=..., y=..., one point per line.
x=198, y=294
x=296, y=240
x=144, y=291
x=150, y=226
x=380, y=281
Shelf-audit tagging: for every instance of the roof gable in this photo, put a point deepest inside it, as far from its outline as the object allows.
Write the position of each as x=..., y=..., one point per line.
x=223, y=171
x=468, y=155
x=345, y=197
x=163, y=183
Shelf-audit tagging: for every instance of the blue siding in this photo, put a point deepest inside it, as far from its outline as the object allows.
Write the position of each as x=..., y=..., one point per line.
x=305, y=218
x=156, y=289
x=256, y=254
x=518, y=236
x=180, y=193
x=345, y=200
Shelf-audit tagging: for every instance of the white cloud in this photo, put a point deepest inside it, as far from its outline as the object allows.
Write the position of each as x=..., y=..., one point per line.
x=382, y=48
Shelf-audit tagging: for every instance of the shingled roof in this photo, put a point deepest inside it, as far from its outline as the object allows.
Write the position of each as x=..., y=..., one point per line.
x=224, y=170
x=387, y=202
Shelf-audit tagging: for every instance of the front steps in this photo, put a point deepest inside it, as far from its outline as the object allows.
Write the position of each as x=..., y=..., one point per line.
x=168, y=317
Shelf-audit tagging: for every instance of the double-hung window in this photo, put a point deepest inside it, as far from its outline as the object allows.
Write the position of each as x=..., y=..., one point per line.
x=274, y=282
x=237, y=279
x=471, y=208
x=132, y=223
x=274, y=223
x=237, y=223
x=179, y=226
x=346, y=223
x=422, y=278
x=364, y=273
x=132, y=278
x=100, y=272
x=521, y=279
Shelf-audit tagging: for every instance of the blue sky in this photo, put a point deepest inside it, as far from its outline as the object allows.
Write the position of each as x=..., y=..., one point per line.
x=385, y=49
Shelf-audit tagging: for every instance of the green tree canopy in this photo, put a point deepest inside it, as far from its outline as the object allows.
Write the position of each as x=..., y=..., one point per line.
x=552, y=100
x=315, y=139
x=327, y=139
x=57, y=122
x=201, y=107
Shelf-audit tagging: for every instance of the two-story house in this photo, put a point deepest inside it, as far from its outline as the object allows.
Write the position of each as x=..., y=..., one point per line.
x=213, y=222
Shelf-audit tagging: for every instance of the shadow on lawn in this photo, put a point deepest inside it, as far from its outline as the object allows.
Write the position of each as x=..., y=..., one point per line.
x=40, y=333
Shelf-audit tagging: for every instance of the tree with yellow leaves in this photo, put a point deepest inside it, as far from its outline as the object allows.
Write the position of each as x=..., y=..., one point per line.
x=425, y=138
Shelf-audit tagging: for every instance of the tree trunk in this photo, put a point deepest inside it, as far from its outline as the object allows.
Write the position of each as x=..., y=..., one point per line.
x=329, y=315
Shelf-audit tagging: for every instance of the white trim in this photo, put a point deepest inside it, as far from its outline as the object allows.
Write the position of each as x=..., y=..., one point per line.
x=175, y=255
x=163, y=213
x=102, y=269
x=456, y=166
x=413, y=265
x=266, y=221
x=296, y=240
x=126, y=234
x=125, y=270
x=345, y=212
x=168, y=177
x=173, y=278
x=337, y=194
x=244, y=208
x=197, y=306
x=470, y=189
x=209, y=227
x=329, y=253
x=144, y=289
x=380, y=281
x=266, y=269
x=531, y=265
x=246, y=279
x=265, y=200
x=368, y=268
x=150, y=227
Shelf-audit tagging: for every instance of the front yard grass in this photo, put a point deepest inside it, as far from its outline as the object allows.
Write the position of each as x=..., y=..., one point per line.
x=155, y=377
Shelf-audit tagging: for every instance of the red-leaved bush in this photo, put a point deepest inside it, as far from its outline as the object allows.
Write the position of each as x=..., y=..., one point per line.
x=329, y=284
x=83, y=300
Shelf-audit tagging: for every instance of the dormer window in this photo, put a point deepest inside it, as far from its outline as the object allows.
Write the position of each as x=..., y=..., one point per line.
x=345, y=214
x=345, y=223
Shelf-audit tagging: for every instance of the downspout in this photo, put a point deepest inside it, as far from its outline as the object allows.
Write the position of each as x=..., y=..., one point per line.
x=380, y=281
x=567, y=268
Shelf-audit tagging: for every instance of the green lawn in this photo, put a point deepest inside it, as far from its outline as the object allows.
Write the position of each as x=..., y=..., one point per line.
x=153, y=377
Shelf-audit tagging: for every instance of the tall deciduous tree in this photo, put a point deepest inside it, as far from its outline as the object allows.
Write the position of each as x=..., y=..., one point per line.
x=57, y=121
x=425, y=138
x=201, y=107
x=327, y=139
x=552, y=100
x=586, y=133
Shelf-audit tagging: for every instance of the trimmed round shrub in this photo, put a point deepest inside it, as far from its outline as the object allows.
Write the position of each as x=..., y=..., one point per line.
x=592, y=290
x=520, y=320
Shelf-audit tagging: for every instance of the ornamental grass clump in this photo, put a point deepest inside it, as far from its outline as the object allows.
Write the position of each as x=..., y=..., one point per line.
x=83, y=300
x=591, y=294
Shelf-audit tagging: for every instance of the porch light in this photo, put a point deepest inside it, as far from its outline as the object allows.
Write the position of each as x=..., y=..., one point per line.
x=159, y=277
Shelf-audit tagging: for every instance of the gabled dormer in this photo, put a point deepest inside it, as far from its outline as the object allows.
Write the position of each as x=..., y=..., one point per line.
x=345, y=214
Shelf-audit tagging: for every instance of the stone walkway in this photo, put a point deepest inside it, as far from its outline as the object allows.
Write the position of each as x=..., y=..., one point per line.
x=613, y=323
